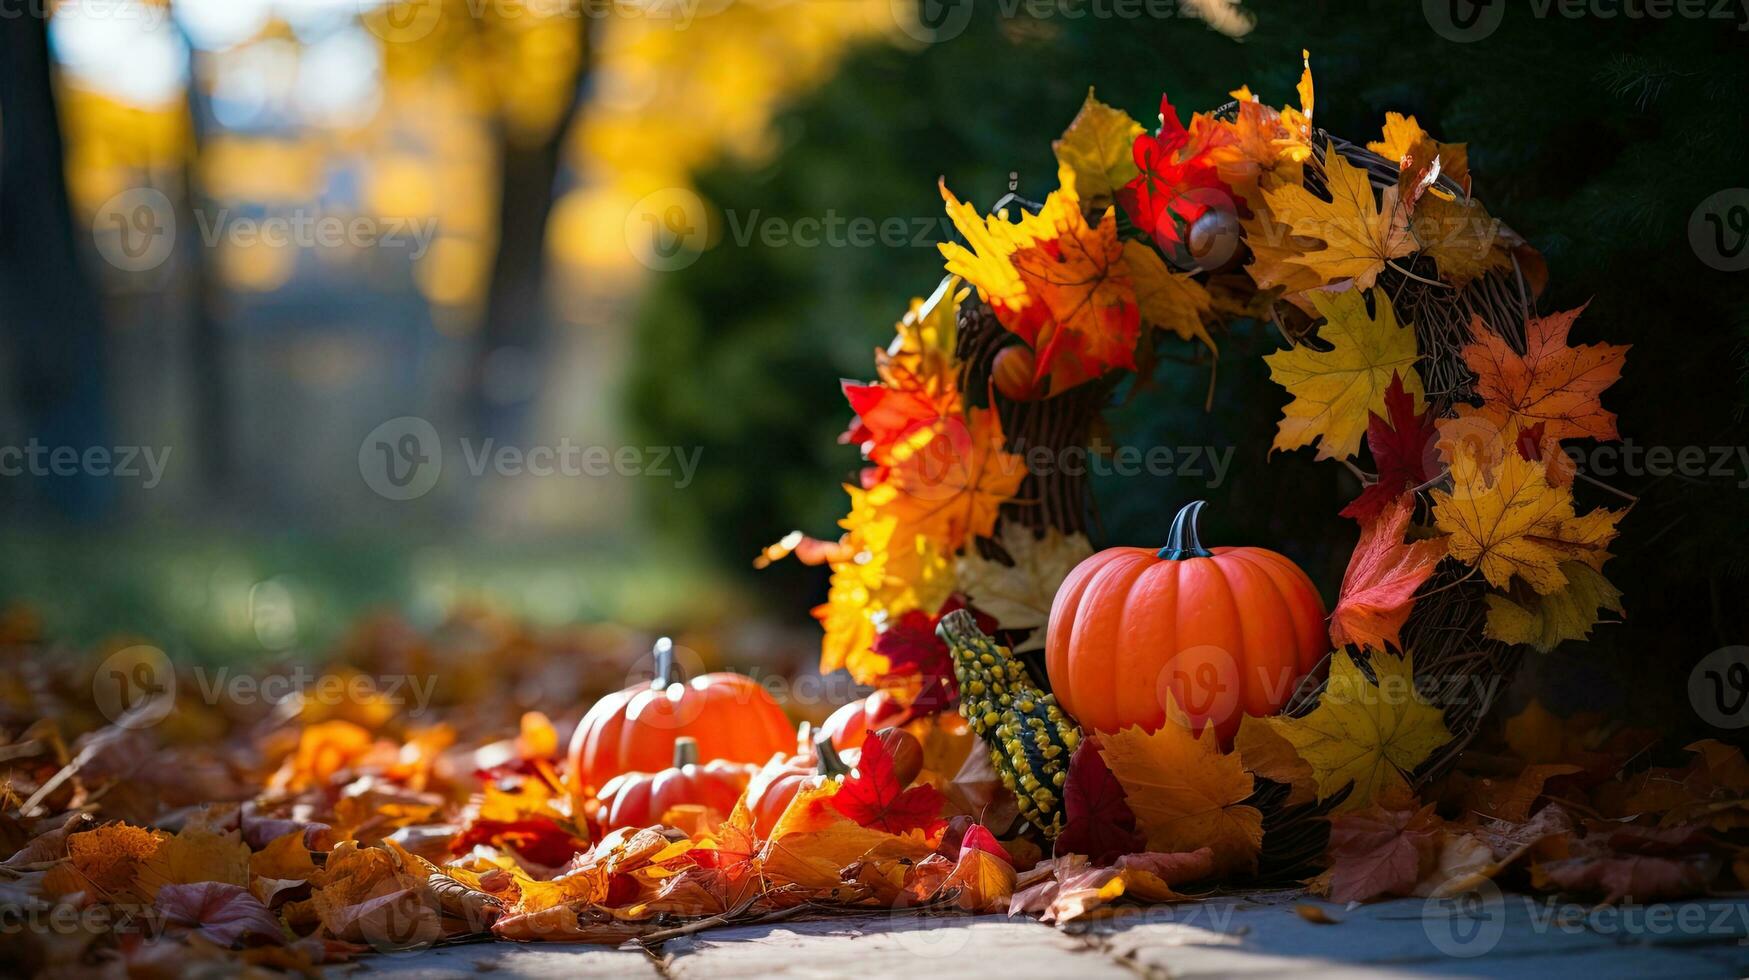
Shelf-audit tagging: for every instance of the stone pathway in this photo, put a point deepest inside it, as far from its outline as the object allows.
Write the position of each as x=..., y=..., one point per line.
x=1248, y=935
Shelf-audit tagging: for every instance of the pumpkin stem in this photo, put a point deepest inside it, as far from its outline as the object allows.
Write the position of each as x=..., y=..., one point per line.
x=685, y=751
x=830, y=764
x=1182, y=541
x=666, y=670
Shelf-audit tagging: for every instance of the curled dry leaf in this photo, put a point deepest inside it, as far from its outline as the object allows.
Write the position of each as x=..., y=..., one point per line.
x=218, y=912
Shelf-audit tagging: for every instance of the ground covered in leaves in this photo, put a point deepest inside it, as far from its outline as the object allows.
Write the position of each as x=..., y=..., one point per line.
x=334, y=822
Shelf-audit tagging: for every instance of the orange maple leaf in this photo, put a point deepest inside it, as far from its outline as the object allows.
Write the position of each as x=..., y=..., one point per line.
x=951, y=486
x=1053, y=280
x=1185, y=792
x=1378, y=590
x=1551, y=383
x=1081, y=279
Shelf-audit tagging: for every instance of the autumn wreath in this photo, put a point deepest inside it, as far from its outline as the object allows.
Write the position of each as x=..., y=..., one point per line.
x=1413, y=354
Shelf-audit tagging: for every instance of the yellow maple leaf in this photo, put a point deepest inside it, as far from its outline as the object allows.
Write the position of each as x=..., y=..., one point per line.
x=1460, y=236
x=986, y=259
x=1544, y=621
x=1268, y=754
x=1052, y=279
x=1518, y=524
x=193, y=856
x=1097, y=146
x=1401, y=136
x=1169, y=300
x=1368, y=734
x=1185, y=792
x=1335, y=390
x=1360, y=232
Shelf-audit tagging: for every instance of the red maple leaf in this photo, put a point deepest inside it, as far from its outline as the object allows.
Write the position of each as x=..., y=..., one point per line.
x=1172, y=190
x=1380, y=851
x=1402, y=449
x=539, y=839
x=912, y=648
x=1100, y=824
x=1384, y=573
x=873, y=797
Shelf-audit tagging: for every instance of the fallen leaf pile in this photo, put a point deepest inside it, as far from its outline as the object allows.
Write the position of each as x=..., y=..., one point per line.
x=306, y=836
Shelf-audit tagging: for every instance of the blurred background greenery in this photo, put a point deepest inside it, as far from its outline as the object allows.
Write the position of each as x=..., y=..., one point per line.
x=543, y=143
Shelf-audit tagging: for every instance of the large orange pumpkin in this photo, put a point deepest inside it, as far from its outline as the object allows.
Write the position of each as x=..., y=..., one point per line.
x=639, y=799
x=729, y=715
x=1224, y=631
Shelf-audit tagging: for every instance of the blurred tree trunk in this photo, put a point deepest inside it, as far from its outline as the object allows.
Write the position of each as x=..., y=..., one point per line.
x=211, y=413
x=517, y=314
x=47, y=300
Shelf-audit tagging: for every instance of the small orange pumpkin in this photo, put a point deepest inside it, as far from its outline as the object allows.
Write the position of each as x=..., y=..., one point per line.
x=1224, y=631
x=770, y=793
x=729, y=715
x=1015, y=371
x=849, y=724
x=639, y=799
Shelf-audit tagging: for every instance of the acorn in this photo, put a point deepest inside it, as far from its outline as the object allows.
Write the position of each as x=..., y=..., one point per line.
x=1214, y=240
